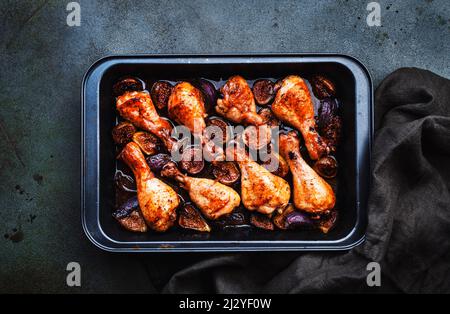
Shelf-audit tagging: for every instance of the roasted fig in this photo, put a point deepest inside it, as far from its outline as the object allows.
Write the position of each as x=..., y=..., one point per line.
x=332, y=133
x=130, y=217
x=323, y=87
x=125, y=182
x=148, y=143
x=209, y=92
x=327, y=222
x=289, y=218
x=263, y=90
x=277, y=85
x=190, y=218
x=213, y=125
x=127, y=84
x=261, y=221
x=226, y=172
x=235, y=218
x=279, y=219
x=276, y=164
x=327, y=110
x=126, y=208
x=192, y=160
x=330, y=123
x=326, y=167
x=157, y=162
x=123, y=133
x=298, y=219
x=257, y=137
x=134, y=222
x=269, y=118
x=160, y=93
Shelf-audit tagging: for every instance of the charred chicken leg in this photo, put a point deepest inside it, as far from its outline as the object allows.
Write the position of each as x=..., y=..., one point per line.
x=138, y=108
x=157, y=200
x=293, y=105
x=311, y=193
x=214, y=199
x=238, y=103
x=261, y=190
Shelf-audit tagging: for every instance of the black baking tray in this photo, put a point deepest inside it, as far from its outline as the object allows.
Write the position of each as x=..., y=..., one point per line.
x=98, y=151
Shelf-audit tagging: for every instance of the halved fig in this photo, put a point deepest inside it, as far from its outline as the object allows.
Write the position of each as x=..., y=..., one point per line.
x=264, y=92
x=157, y=162
x=127, y=84
x=148, y=143
x=192, y=160
x=160, y=93
x=327, y=222
x=190, y=218
x=326, y=167
x=257, y=137
x=261, y=221
x=323, y=87
x=170, y=170
x=226, y=172
x=269, y=118
x=276, y=164
x=213, y=125
x=130, y=217
x=123, y=133
x=134, y=222
x=236, y=218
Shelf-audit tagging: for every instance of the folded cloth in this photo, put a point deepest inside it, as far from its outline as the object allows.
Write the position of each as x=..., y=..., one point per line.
x=409, y=211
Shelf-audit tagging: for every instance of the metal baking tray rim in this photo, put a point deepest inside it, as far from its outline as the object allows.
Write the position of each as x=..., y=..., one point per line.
x=354, y=238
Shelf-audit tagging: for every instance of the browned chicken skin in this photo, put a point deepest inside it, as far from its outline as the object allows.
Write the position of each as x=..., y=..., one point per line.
x=261, y=190
x=157, y=200
x=311, y=193
x=186, y=106
x=293, y=105
x=214, y=199
x=138, y=108
x=238, y=103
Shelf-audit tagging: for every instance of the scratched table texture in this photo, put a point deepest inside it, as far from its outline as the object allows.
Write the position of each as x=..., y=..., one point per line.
x=42, y=64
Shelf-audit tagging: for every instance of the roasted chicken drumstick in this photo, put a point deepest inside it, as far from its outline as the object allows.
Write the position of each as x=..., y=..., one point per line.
x=157, y=200
x=238, y=103
x=214, y=199
x=186, y=106
x=138, y=108
x=293, y=105
x=311, y=193
x=261, y=190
